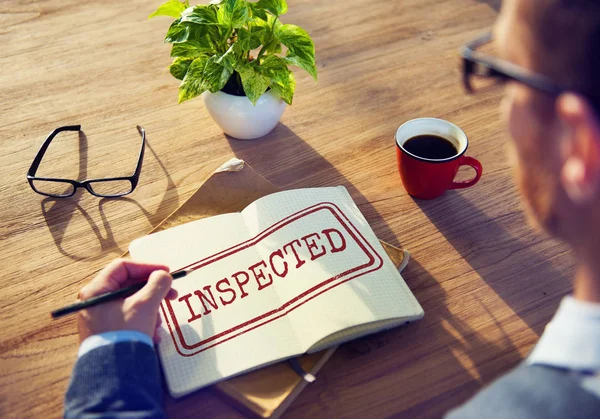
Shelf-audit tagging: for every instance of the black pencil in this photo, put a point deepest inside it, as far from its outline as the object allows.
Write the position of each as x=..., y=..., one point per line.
x=109, y=296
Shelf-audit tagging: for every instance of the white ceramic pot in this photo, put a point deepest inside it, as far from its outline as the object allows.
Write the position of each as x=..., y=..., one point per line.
x=237, y=117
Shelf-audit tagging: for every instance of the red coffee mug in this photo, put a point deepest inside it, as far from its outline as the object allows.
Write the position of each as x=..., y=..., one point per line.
x=429, y=178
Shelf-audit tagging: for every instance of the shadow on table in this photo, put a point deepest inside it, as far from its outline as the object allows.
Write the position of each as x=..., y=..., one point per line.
x=283, y=147
x=503, y=261
x=59, y=213
x=439, y=355
x=165, y=206
x=458, y=353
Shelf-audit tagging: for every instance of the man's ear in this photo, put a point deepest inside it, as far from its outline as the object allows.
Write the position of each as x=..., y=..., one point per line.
x=580, y=172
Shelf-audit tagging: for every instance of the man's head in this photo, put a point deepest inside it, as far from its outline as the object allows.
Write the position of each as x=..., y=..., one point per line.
x=556, y=139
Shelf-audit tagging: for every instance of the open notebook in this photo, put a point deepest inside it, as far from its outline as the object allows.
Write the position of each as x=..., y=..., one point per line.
x=294, y=272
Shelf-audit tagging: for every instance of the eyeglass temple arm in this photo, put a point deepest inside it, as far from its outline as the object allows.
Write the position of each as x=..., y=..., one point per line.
x=138, y=168
x=479, y=41
x=505, y=69
x=467, y=53
x=467, y=69
x=40, y=154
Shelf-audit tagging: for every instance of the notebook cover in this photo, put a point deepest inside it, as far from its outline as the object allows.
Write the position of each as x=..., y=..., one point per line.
x=266, y=392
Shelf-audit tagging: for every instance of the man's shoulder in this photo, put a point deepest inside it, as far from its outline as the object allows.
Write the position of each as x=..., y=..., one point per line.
x=531, y=392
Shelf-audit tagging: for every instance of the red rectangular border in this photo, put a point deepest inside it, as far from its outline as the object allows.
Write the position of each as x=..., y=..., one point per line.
x=375, y=263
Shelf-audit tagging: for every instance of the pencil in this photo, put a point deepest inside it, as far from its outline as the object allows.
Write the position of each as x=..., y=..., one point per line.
x=109, y=296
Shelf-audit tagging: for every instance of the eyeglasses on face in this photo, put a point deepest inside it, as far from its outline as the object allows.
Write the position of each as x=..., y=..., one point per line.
x=63, y=188
x=480, y=70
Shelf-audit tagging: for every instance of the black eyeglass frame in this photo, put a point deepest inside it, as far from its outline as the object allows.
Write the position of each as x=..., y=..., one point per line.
x=87, y=184
x=480, y=64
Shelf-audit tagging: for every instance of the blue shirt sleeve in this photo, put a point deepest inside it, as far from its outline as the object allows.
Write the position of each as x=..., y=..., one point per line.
x=116, y=375
x=108, y=338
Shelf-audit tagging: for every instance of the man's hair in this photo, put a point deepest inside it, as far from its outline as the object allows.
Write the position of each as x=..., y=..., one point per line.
x=566, y=35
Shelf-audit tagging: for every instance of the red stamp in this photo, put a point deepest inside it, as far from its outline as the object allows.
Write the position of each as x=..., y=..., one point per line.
x=329, y=252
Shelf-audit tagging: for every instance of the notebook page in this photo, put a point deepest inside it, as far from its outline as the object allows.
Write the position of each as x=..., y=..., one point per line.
x=327, y=266
x=205, y=335
x=354, y=332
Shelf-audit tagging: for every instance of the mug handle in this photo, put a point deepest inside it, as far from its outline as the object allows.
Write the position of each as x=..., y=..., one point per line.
x=468, y=161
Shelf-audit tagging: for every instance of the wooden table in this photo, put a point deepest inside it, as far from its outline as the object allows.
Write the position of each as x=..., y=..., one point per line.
x=487, y=281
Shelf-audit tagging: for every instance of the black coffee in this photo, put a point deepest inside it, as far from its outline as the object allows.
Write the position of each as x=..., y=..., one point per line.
x=430, y=147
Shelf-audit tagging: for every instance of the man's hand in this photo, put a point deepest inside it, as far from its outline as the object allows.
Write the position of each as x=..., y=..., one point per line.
x=136, y=312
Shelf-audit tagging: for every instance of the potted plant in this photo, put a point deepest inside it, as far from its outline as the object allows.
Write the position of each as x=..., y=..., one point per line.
x=232, y=53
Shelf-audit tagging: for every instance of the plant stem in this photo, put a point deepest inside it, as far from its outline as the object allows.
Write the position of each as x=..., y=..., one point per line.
x=266, y=45
x=262, y=51
x=226, y=43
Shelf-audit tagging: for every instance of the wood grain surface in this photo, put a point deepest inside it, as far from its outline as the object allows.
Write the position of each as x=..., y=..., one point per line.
x=487, y=281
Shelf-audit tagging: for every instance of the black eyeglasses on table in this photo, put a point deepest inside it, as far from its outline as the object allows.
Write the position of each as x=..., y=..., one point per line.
x=62, y=188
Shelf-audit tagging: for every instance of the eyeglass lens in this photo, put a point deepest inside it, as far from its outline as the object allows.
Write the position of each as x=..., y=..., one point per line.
x=481, y=79
x=53, y=188
x=111, y=187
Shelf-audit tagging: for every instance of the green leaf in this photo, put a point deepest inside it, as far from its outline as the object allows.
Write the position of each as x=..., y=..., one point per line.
x=272, y=62
x=269, y=36
x=215, y=75
x=200, y=15
x=184, y=31
x=253, y=82
x=274, y=23
x=301, y=50
x=307, y=65
x=259, y=32
x=250, y=39
x=286, y=87
x=179, y=67
x=257, y=11
x=281, y=79
x=192, y=48
x=171, y=8
x=233, y=13
x=266, y=23
x=276, y=7
x=193, y=82
x=274, y=47
x=229, y=59
x=177, y=32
